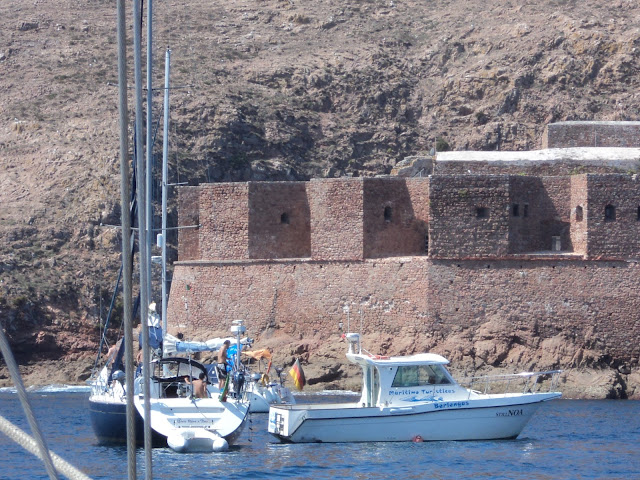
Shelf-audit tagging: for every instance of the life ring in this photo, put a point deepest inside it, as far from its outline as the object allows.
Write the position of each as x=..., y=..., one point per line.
x=264, y=379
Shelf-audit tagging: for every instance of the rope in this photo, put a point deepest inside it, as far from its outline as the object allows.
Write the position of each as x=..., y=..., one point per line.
x=29, y=444
x=26, y=406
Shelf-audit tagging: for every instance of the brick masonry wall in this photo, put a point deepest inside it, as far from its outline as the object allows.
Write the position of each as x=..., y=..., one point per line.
x=524, y=214
x=300, y=298
x=542, y=205
x=455, y=227
x=591, y=134
x=279, y=220
x=224, y=215
x=418, y=189
x=554, y=212
x=188, y=215
x=579, y=213
x=592, y=304
x=619, y=237
x=336, y=208
x=540, y=169
x=391, y=225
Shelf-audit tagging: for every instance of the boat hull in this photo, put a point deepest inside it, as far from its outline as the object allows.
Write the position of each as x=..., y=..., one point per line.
x=109, y=423
x=435, y=421
x=170, y=416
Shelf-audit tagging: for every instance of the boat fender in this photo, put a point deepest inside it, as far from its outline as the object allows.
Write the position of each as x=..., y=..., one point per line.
x=177, y=442
x=220, y=445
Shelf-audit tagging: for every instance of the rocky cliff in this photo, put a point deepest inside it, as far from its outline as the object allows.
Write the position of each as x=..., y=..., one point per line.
x=265, y=89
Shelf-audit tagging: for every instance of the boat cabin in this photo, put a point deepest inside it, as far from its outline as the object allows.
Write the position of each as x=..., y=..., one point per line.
x=403, y=380
x=168, y=376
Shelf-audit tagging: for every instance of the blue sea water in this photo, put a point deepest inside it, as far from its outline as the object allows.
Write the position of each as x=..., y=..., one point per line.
x=566, y=439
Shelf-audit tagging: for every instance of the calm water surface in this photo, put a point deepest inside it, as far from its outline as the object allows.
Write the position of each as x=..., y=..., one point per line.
x=565, y=440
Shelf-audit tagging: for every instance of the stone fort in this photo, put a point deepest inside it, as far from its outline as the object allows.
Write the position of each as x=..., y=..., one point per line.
x=546, y=242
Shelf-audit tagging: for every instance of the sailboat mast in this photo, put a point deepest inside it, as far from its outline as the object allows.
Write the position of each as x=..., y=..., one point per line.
x=148, y=226
x=142, y=230
x=165, y=172
x=148, y=178
x=125, y=197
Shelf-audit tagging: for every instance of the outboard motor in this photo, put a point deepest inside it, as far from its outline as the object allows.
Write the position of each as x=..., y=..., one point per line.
x=238, y=383
x=279, y=373
x=119, y=376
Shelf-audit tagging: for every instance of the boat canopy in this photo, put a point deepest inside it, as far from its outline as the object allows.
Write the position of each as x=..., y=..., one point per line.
x=174, y=345
x=178, y=367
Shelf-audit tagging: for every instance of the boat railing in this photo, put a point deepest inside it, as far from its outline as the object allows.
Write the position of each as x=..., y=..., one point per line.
x=524, y=382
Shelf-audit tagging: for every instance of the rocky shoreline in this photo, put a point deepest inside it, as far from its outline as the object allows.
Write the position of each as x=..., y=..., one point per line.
x=576, y=383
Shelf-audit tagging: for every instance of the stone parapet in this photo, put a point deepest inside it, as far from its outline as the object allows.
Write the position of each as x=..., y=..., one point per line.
x=591, y=134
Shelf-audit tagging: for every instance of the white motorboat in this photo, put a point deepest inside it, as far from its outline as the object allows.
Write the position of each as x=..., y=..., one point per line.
x=262, y=394
x=415, y=398
x=259, y=394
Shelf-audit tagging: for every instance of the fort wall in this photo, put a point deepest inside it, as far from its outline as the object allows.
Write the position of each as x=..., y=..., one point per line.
x=590, y=305
x=336, y=219
x=469, y=216
x=224, y=221
x=189, y=217
x=484, y=261
x=613, y=219
x=279, y=220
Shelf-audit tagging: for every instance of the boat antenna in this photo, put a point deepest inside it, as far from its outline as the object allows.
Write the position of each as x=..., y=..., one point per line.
x=345, y=309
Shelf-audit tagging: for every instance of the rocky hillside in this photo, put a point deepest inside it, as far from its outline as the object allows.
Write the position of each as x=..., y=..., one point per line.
x=266, y=90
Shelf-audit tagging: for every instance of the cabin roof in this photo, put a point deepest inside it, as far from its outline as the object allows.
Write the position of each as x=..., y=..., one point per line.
x=380, y=360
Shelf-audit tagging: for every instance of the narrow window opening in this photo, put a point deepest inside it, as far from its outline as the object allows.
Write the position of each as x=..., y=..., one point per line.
x=284, y=218
x=515, y=210
x=579, y=214
x=638, y=217
x=482, y=212
x=426, y=243
x=387, y=213
x=609, y=213
x=525, y=210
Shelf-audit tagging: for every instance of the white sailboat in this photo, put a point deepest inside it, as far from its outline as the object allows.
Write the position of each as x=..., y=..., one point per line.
x=171, y=416
x=189, y=423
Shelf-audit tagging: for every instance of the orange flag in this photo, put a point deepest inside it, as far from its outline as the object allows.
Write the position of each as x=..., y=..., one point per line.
x=298, y=375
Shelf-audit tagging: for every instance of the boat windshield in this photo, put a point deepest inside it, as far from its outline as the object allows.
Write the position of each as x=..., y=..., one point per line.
x=178, y=369
x=418, y=375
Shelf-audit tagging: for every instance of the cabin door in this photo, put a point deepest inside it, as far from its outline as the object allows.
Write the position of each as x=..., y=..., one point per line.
x=373, y=386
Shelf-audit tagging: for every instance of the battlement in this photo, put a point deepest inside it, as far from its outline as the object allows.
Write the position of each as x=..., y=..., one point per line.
x=443, y=216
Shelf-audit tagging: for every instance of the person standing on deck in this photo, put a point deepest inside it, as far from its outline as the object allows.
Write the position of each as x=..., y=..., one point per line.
x=222, y=364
